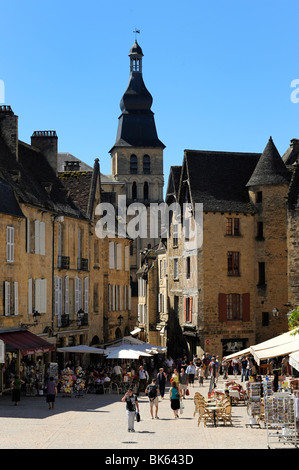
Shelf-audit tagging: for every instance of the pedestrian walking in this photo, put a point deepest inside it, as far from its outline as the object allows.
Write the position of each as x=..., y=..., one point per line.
x=161, y=381
x=175, y=398
x=16, y=392
x=183, y=382
x=51, y=392
x=225, y=368
x=152, y=392
x=190, y=370
x=132, y=405
x=143, y=379
x=201, y=374
x=175, y=377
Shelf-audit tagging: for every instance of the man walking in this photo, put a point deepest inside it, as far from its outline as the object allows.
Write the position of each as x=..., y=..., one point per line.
x=161, y=381
x=152, y=393
x=132, y=404
x=183, y=382
x=143, y=379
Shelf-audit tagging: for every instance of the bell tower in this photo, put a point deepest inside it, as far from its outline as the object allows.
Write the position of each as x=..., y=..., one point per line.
x=137, y=154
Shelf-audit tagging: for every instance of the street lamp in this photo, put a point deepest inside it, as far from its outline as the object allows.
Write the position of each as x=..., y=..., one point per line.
x=120, y=319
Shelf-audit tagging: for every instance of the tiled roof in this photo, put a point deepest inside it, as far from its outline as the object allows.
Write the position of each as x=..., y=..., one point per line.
x=218, y=179
x=270, y=168
x=33, y=180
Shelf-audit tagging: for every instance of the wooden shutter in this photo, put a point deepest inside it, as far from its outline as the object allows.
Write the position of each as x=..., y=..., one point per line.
x=222, y=307
x=42, y=238
x=6, y=298
x=43, y=301
x=67, y=295
x=36, y=236
x=29, y=295
x=246, y=307
x=60, y=296
x=111, y=256
x=56, y=295
x=190, y=308
x=37, y=298
x=119, y=256
x=127, y=258
x=16, y=298
x=185, y=308
x=86, y=295
x=28, y=236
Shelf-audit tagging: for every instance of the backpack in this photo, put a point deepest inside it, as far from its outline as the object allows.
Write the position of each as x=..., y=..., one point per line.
x=152, y=392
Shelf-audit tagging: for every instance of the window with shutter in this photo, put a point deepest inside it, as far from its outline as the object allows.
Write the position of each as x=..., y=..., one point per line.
x=120, y=298
x=10, y=244
x=56, y=295
x=190, y=308
x=185, y=309
x=37, y=295
x=44, y=295
x=176, y=268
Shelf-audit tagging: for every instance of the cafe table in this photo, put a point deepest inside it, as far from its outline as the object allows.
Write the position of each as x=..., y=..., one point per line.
x=214, y=407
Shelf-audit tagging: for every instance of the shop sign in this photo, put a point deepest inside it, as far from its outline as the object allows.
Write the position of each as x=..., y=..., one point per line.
x=2, y=352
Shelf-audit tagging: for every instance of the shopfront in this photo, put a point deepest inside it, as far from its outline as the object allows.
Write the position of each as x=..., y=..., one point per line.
x=24, y=354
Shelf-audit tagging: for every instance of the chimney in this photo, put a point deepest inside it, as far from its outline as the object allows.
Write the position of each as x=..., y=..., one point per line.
x=47, y=143
x=9, y=129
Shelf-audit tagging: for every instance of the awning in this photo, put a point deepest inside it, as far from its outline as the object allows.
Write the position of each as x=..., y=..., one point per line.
x=243, y=352
x=294, y=360
x=134, y=332
x=26, y=342
x=81, y=349
x=275, y=351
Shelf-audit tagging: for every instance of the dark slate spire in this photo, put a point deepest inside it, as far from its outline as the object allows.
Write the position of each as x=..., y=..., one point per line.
x=270, y=168
x=136, y=127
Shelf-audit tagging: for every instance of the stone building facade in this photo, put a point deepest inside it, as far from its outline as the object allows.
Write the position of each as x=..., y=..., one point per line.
x=222, y=295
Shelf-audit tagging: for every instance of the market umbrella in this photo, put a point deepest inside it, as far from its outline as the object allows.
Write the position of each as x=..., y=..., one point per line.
x=82, y=349
x=126, y=354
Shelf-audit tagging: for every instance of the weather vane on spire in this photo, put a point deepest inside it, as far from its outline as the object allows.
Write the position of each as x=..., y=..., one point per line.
x=136, y=31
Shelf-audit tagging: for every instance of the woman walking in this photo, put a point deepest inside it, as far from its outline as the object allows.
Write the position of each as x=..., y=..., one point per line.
x=51, y=392
x=175, y=397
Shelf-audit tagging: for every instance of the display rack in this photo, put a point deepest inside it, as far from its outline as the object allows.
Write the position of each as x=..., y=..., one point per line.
x=280, y=419
x=254, y=402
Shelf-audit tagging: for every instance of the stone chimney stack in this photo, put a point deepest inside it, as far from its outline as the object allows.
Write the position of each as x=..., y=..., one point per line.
x=47, y=143
x=9, y=129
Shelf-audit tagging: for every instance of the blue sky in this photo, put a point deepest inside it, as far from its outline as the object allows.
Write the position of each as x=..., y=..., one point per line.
x=220, y=72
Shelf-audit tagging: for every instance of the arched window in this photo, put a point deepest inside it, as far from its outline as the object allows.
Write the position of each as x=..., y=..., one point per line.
x=145, y=190
x=133, y=165
x=134, y=190
x=118, y=333
x=146, y=164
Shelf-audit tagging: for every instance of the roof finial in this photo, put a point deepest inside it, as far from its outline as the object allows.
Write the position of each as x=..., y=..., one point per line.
x=136, y=31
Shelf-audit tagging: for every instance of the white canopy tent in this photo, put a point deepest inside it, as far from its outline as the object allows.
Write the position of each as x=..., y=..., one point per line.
x=82, y=349
x=243, y=352
x=125, y=353
x=294, y=360
x=280, y=345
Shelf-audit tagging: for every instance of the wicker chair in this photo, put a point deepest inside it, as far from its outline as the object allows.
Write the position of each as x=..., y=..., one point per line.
x=204, y=415
x=198, y=401
x=225, y=414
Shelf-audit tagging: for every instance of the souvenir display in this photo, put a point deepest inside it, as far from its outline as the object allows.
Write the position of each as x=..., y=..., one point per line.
x=280, y=419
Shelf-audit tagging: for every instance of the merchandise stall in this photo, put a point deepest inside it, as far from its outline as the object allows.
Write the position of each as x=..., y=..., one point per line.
x=280, y=419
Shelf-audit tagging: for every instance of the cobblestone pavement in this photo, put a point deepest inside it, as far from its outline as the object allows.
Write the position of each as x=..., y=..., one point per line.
x=100, y=422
